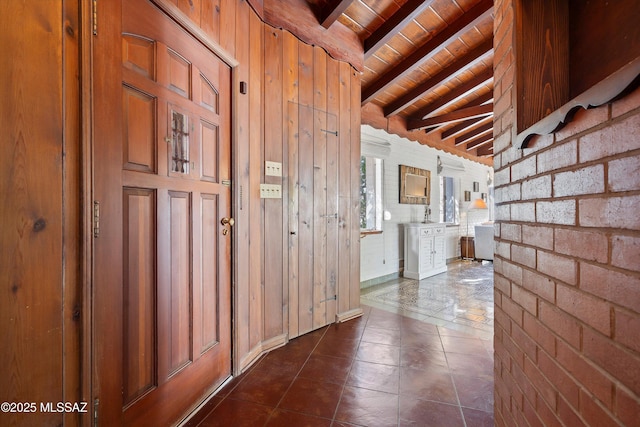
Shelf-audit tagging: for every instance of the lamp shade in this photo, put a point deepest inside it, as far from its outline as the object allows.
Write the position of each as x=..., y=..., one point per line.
x=478, y=204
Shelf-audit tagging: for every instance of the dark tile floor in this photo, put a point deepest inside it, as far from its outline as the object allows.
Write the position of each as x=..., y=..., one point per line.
x=382, y=369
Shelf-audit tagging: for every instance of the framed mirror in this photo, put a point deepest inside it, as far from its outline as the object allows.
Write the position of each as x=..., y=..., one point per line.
x=415, y=185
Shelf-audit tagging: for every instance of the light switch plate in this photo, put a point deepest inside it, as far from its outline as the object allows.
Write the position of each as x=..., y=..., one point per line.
x=272, y=168
x=270, y=191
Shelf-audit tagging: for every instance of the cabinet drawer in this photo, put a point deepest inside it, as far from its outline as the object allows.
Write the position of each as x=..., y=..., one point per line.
x=426, y=232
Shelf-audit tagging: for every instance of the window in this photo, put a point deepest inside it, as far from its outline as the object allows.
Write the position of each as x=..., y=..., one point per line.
x=370, y=194
x=449, y=209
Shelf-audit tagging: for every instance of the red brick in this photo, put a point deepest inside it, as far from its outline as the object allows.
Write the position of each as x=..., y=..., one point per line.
x=628, y=103
x=541, y=237
x=531, y=416
x=592, y=311
x=514, y=389
x=561, y=323
x=622, y=364
x=513, y=310
x=524, y=299
x=524, y=212
x=589, y=180
x=560, y=156
x=564, y=383
x=508, y=193
x=523, y=169
x=611, y=212
x=527, y=391
x=537, y=143
x=562, y=212
x=523, y=255
x=502, y=319
x=587, y=245
x=525, y=343
x=627, y=407
x=501, y=177
x=582, y=121
x=627, y=329
x=517, y=355
x=540, y=285
x=511, y=232
x=586, y=373
x=539, y=333
x=536, y=188
x=545, y=389
x=623, y=174
x=593, y=412
x=559, y=267
x=625, y=252
x=568, y=414
x=503, y=285
x=547, y=414
x=502, y=249
x=618, y=138
x=613, y=286
x=512, y=272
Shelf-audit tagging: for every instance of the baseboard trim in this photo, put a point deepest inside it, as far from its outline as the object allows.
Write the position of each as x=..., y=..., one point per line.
x=348, y=315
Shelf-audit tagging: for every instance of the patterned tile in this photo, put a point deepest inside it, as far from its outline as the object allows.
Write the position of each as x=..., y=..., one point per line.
x=461, y=298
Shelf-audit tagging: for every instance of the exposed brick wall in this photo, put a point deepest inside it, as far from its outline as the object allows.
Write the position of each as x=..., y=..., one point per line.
x=567, y=263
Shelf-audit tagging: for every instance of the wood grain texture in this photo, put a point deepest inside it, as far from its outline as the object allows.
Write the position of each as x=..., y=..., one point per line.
x=31, y=186
x=274, y=283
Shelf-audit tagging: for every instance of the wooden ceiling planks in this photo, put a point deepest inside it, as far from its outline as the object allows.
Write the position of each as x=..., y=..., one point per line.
x=427, y=67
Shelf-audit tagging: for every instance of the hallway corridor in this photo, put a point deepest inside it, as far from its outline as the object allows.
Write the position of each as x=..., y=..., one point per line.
x=382, y=369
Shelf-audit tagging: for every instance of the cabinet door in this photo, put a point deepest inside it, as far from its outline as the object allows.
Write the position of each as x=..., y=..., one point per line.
x=426, y=253
x=440, y=253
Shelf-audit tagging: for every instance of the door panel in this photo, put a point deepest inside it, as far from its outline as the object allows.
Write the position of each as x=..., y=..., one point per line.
x=165, y=148
x=314, y=228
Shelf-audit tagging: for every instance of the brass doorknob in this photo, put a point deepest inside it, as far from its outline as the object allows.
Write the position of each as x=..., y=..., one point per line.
x=229, y=221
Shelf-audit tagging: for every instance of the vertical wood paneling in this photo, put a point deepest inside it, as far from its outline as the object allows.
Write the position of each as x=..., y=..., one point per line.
x=354, y=114
x=191, y=8
x=333, y=107
x=319, y=187
x=256, y=226
x=210, y=18
x=75, y=383
x=344, y=190
x=290, y=170
x=273, y=210
x=231, y=39
x=305, y=191
x=31, y=179
x=242, y=174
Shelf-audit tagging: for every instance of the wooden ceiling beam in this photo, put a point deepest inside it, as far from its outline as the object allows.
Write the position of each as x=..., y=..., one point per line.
x=466, y=22
x=485, y=151
x=452, y=117
x=332, y=12
x=393, y=25
x=465, y=126
x=457, y=93
x=473, y=133
x=470, y=59
x=480, y=141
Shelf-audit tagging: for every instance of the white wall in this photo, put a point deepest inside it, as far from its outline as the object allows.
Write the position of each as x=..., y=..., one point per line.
x=380, y=254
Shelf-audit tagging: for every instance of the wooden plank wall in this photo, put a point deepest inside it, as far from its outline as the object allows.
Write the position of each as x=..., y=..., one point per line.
x=291, y=257
x=40, y=296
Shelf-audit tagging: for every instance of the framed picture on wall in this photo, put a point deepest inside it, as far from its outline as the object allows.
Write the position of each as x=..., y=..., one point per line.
x=476, y=186
x=467, y=196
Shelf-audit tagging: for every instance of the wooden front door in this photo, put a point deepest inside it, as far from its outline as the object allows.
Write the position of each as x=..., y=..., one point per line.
x=161, y=295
